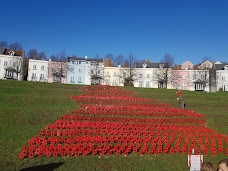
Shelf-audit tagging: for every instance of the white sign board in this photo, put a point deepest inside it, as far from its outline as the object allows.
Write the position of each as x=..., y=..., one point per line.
x=195, y=162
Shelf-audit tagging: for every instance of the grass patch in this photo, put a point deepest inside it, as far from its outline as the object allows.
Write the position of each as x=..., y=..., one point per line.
x=27, y=107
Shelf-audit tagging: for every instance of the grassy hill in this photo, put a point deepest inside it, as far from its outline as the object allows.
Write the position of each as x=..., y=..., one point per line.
x=27, y=107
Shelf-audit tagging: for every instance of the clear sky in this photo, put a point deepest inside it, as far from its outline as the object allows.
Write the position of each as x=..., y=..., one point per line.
x=148, y=29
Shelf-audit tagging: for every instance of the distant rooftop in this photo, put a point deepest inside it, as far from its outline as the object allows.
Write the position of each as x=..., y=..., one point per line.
x=148, y=65
x=15, y=52
x=84, y=59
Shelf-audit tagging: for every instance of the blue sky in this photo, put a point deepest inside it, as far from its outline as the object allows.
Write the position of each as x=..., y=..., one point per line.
x=187, y=29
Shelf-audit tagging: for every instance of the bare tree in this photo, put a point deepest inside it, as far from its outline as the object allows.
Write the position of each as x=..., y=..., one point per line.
x=205, y=75
x=139, y=75
x=129, y=70
x=14, y=67
x=96, y=71
x=200, y=78
x=163, y=75
x=62, y=56
x=108, y=60
x=32, y=54
x=59, y=69
x=175, y=78
x=147, y=61
x=25, y=68
x=119, y=60
x=53, y=58
x=42, y=56
x=3, y=45
x=16, y=46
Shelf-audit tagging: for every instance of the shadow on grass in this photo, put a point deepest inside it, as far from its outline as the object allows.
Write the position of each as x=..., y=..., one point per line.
x=46, y=167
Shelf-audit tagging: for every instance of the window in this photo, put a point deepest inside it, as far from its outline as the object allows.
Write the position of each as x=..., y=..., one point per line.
x=14, y=64
x=42, y=68
x=56, y=79
x=41, y=77
x=183, y=86
x=34, y=67
x=5, y=63
x=114, y=73
x=80, y=70
x=148, y=84
x=148, y=76
x=79, y=79
x=72, y=79
x=98, y=72
x=175, y=86
x=11, y=53
x=107, y=82
x=140, y=84
x=198, y=86
x=78, y=62
x=33, y=76
x=140, y=75
x=183, y=77
x=144, y=65
x=107, y=73
x=223, y=78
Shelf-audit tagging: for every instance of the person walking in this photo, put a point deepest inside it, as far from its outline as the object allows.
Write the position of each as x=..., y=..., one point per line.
x=180, y=98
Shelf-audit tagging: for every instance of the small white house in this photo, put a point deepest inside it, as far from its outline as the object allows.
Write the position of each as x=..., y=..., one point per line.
x=11, y=64
x=37, y=70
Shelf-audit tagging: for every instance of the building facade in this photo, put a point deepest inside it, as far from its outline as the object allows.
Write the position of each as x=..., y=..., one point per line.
x=113, y=76
x=222, y=77
x=11, y=64
x=152, y=75
x=37, y=70
x=85, y=71
x=57, y=72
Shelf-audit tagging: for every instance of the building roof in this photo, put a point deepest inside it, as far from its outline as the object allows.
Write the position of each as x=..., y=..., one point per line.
x=218, y=62
x=149, y=65
x=17, y=52
x=187, y=62
x=84, y=59
x=219, y=66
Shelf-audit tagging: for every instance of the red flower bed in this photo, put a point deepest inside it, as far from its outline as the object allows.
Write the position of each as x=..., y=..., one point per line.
x=111, y=121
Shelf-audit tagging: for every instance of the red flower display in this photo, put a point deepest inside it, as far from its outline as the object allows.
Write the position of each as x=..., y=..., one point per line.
x=112, y=121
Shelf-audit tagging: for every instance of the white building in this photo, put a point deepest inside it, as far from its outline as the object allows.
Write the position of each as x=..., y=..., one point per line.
x=143, y=75
x=113, y=76
x=37, y=70
x=222, y=76
x=85, y=71
x=11, y=64
x=152, y=75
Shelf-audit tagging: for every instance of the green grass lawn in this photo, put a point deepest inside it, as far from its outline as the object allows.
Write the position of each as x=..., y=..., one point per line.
x=27, y=107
